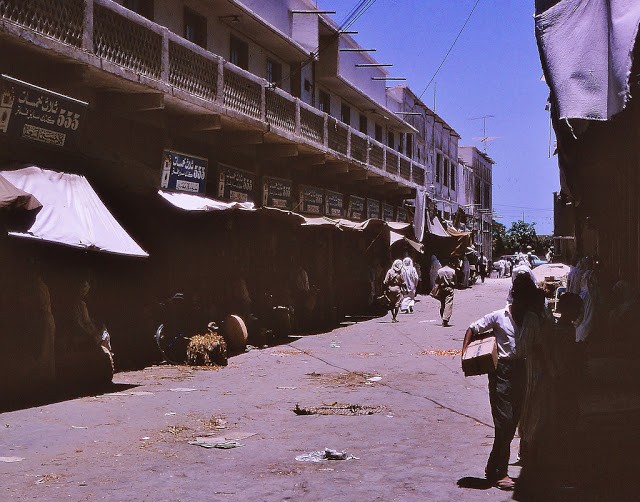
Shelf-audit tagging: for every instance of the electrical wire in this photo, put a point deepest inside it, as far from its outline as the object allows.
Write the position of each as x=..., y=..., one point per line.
x=450, y=49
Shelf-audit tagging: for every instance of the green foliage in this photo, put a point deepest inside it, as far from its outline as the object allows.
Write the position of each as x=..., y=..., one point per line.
x=498, y=238
x=520, y=236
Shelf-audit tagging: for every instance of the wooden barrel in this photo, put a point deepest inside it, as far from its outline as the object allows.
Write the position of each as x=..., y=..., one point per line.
x=235, y=332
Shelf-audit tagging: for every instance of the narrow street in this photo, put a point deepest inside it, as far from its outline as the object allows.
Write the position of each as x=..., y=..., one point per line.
x=429, y=426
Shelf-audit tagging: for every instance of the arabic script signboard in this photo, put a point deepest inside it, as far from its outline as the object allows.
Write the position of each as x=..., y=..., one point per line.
x=183, y=173
x=356, y=208
x=373, y=209
x=311, y=199
x=235, y=184
x=276, y=192
x=387, y=212
x=334, y=204
x=36, y=114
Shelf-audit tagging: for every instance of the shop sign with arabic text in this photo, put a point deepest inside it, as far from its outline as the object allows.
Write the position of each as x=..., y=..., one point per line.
x=356, y=208
x=373, y=209
x=311, y=199
x=36, y=114
x=235, y=185
x=276, y=192
x=387, y=212
x=334, y=204
x=183, y=173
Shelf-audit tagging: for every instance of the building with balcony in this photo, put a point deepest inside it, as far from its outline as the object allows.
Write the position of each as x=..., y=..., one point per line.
x=434, y=143
x=479, y=168
x=262, y=104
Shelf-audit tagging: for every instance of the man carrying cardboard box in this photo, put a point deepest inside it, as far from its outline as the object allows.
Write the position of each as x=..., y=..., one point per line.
x=506, y=390
x=507, y=384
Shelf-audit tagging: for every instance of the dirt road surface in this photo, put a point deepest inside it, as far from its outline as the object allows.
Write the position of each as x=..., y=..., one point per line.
x=416, y=430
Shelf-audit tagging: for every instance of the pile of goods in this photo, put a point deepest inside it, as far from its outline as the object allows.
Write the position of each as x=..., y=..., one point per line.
x=209, y=349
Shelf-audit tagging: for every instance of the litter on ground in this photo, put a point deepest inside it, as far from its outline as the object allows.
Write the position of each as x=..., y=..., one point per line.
x=326, y=454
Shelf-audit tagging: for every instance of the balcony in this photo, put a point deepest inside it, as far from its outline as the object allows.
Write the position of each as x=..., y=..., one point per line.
x=103, y=34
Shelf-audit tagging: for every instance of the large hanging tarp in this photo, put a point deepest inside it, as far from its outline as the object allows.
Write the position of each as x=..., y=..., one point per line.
x=586, y=50
x=71, y=213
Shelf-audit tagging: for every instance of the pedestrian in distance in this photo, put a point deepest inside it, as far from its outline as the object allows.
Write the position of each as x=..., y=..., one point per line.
x=482, y=266
x=410, y=277
x=445, y=282
x=394, y=288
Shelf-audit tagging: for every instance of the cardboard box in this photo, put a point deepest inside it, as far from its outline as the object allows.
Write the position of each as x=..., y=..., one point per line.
x=481, y=357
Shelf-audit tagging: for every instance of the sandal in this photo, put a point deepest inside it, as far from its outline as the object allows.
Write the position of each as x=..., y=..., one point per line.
x=506, y=484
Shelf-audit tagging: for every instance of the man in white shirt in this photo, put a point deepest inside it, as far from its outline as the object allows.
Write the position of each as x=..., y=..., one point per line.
x=506, y=389
x=446, y=280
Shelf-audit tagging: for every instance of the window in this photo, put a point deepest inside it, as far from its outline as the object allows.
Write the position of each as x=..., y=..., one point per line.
x=195, y=27
x=401, y=143
x=378, y=133
x=438, y=162
x=363, y=124
x=324, y=102
x=239, y=53
x=142, y=7
x=390, y=141
x=410, y=146
x=453, y=176
x=345, y=114
x=445, y=172
x=274, y=73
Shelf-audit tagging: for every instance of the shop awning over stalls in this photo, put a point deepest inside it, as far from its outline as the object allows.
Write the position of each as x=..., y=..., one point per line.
x=397, y=237
x=72, y=213
x=445, y=242
x=18, y=209
x=200, y=203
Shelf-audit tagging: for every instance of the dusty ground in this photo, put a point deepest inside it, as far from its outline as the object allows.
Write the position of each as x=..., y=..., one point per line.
x=428, y=426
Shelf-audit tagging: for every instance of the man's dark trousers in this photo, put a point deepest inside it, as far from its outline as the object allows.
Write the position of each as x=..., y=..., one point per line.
x=506, y=395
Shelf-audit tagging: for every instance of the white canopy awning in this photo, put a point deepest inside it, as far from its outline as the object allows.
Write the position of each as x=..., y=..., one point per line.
x=194, y=202
x=72, y=213
x=396, y=237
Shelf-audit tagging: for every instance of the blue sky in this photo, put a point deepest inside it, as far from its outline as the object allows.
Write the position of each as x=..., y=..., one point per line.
x=494, y=69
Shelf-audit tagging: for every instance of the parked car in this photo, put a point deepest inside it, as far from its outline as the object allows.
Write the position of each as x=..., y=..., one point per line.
x=535, y=261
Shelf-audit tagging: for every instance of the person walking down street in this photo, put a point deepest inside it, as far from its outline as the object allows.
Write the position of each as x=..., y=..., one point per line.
x=482, y=266
x=508, y=383
x=466, y=272
x=394, y=286
x=445, y=280
x=410, y=277
x=500, y=264
x=433, y=271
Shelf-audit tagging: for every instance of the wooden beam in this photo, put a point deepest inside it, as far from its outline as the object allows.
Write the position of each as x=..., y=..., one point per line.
x=275, y=150
x=356, y=175
x=128, y=103
x=334, y=168
x=196, y=123
x=241, y=138
x=313, y=160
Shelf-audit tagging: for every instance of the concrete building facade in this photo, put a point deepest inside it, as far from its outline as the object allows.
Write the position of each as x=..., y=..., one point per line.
x=479, y=183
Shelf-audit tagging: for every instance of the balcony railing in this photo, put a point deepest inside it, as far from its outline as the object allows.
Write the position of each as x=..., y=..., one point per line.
x=123, y=38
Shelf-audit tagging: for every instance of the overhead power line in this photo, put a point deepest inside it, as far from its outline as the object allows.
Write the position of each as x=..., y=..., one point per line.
x=450, y=49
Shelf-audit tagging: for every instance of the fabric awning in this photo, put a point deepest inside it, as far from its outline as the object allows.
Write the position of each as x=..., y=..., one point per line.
x=396, y=237
x=434, y=227
x=12, y=198
x=194, y=202
x=71, y=213
x=586, y=51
